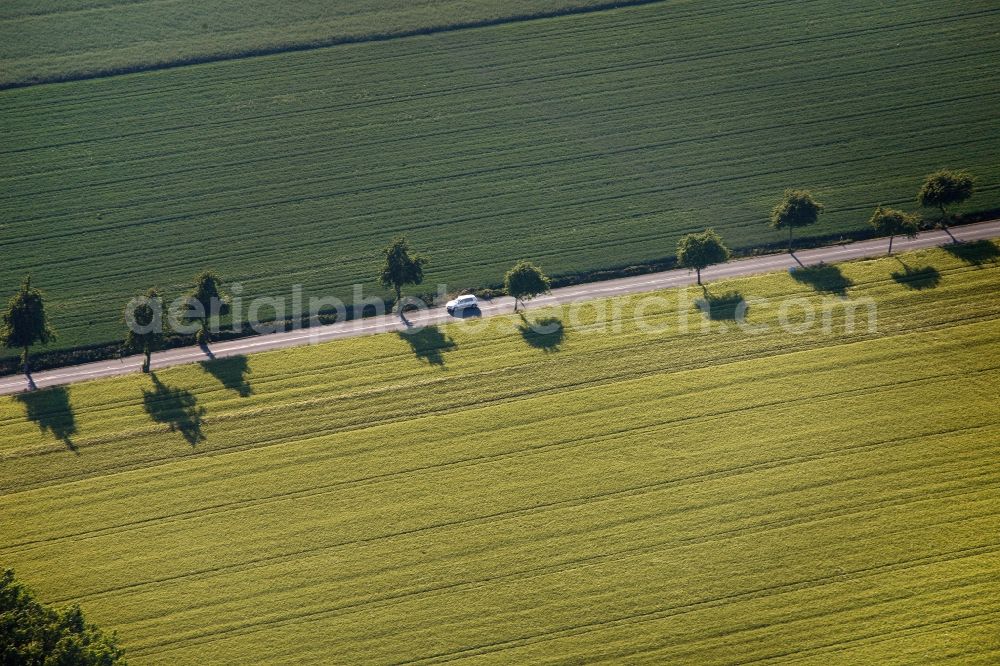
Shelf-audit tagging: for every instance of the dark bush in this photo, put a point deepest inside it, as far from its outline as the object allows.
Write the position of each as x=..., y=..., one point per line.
x=33, y=633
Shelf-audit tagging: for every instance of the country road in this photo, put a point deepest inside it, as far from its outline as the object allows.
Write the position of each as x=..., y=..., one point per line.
x=391, y=322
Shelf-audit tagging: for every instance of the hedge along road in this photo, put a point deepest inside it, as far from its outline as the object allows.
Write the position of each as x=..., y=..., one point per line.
x=438, y=315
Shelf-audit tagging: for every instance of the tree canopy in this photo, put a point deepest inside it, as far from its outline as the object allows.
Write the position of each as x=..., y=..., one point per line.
x=207, y=295
x=699, y=251
x=400, y=267
x=524, y=281
x=796, y=209
x=945, y=188
x=892, y=222
x=33, y=633
x=24, y=323
x=144, y=325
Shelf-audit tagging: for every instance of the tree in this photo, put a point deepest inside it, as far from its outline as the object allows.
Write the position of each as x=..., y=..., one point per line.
x=797, y=209
x=400, y=267
x=144, y=325
x=32, y=633
x=945, y=188
x=892, y=222
x=524, y=281
x=208, y=300
x=699, y=251
x=24, y=323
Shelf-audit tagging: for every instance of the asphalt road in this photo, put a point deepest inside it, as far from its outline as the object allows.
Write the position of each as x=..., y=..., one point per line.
x=651, y=282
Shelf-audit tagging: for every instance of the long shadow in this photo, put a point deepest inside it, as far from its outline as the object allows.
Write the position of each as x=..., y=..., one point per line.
x=823, y=278
x=428, y=343
x=51, y=411
x=976, y=253
x=730, y=306
x=546, y=333
x=231, y=372
x=925, y=277
x=177, y=408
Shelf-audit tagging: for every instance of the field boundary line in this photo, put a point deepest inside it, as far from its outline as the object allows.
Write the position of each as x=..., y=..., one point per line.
x=328, y=42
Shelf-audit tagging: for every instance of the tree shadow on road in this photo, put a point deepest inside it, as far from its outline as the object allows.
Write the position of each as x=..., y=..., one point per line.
x=729, y=306
x=546, y=333
x=976, y=253
x=823, y=278
x=51, y=411
x=175, y=407
x=467, y=313
x=203, y=346
x=428, y=343
x=925, y=277
x=232, y=372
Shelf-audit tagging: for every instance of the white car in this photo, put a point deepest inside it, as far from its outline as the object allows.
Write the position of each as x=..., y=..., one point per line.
x=467, y=302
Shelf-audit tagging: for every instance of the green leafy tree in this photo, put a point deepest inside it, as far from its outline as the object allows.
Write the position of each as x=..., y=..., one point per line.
x=699, y=251
x=401, y=267
x=24, y=323
x=32, y=633
x=144, y=325
x=524, y=281
x=945, y=188
x=892, y=222
x=208, y=300
x=796, y=209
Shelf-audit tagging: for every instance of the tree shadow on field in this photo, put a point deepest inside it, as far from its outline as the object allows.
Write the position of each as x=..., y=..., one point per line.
x=428, y=343
x=231, y=372
x=976, y=253
x=50, y=410
x=546, y=333
x=925, y=277
x=175, y=407
x=730, y=306
x=823, y=278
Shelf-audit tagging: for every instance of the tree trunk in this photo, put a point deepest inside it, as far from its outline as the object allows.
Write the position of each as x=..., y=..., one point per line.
x=698, y=271
x=944, y=216
x=399, y=297
x=24, y=360
x=789, y=239
x=891, y=236
x=145, y=364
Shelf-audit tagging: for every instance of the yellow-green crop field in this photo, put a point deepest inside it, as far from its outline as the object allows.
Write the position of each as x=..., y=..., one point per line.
x=672, y=496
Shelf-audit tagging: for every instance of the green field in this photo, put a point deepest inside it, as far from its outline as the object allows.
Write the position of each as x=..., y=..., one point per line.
x=700, y=496
x=579, y=142
x=65, y=39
